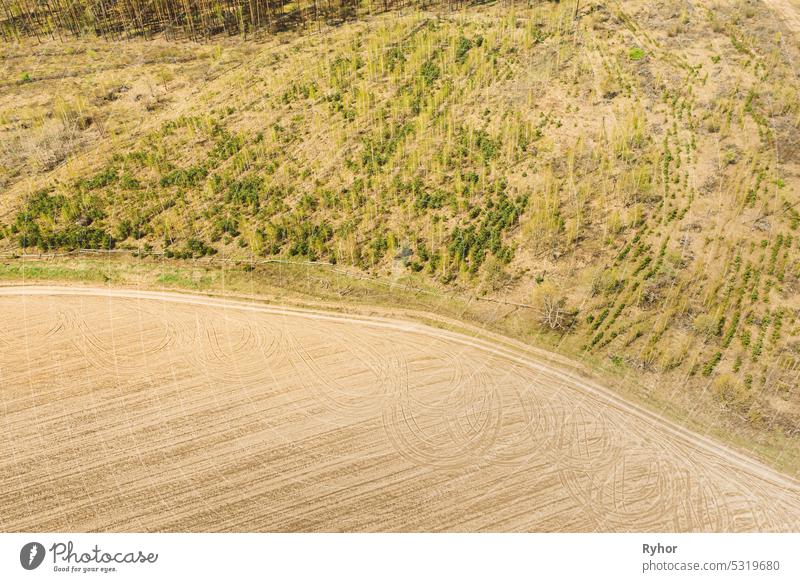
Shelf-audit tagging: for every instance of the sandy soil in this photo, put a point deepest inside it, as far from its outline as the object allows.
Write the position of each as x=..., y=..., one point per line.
x=140, y=411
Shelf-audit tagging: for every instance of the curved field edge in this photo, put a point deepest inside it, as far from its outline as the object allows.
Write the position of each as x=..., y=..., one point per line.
x=504, y=328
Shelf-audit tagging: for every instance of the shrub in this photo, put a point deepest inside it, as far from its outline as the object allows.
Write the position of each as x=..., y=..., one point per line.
x=462, y=48
x=551, y=307
x=712, y=363
x=245, y=192
x=185, y=178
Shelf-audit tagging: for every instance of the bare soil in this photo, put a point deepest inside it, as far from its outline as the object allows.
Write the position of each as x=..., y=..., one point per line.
x=789, y=11
x=141, y=411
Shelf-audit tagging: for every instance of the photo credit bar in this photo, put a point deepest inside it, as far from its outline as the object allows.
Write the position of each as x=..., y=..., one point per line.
x=371, y=557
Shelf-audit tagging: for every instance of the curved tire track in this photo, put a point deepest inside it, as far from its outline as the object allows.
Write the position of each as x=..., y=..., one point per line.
x=256, y=418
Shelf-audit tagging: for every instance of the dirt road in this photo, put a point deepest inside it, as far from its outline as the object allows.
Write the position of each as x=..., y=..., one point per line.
x=141, y=411
x=788, y=10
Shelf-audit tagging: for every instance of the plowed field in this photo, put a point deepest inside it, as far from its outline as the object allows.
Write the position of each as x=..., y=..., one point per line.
x=136, y=411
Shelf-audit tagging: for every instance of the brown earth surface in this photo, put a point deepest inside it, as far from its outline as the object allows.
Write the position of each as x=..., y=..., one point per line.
x=789, y=10
x=143, y=411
